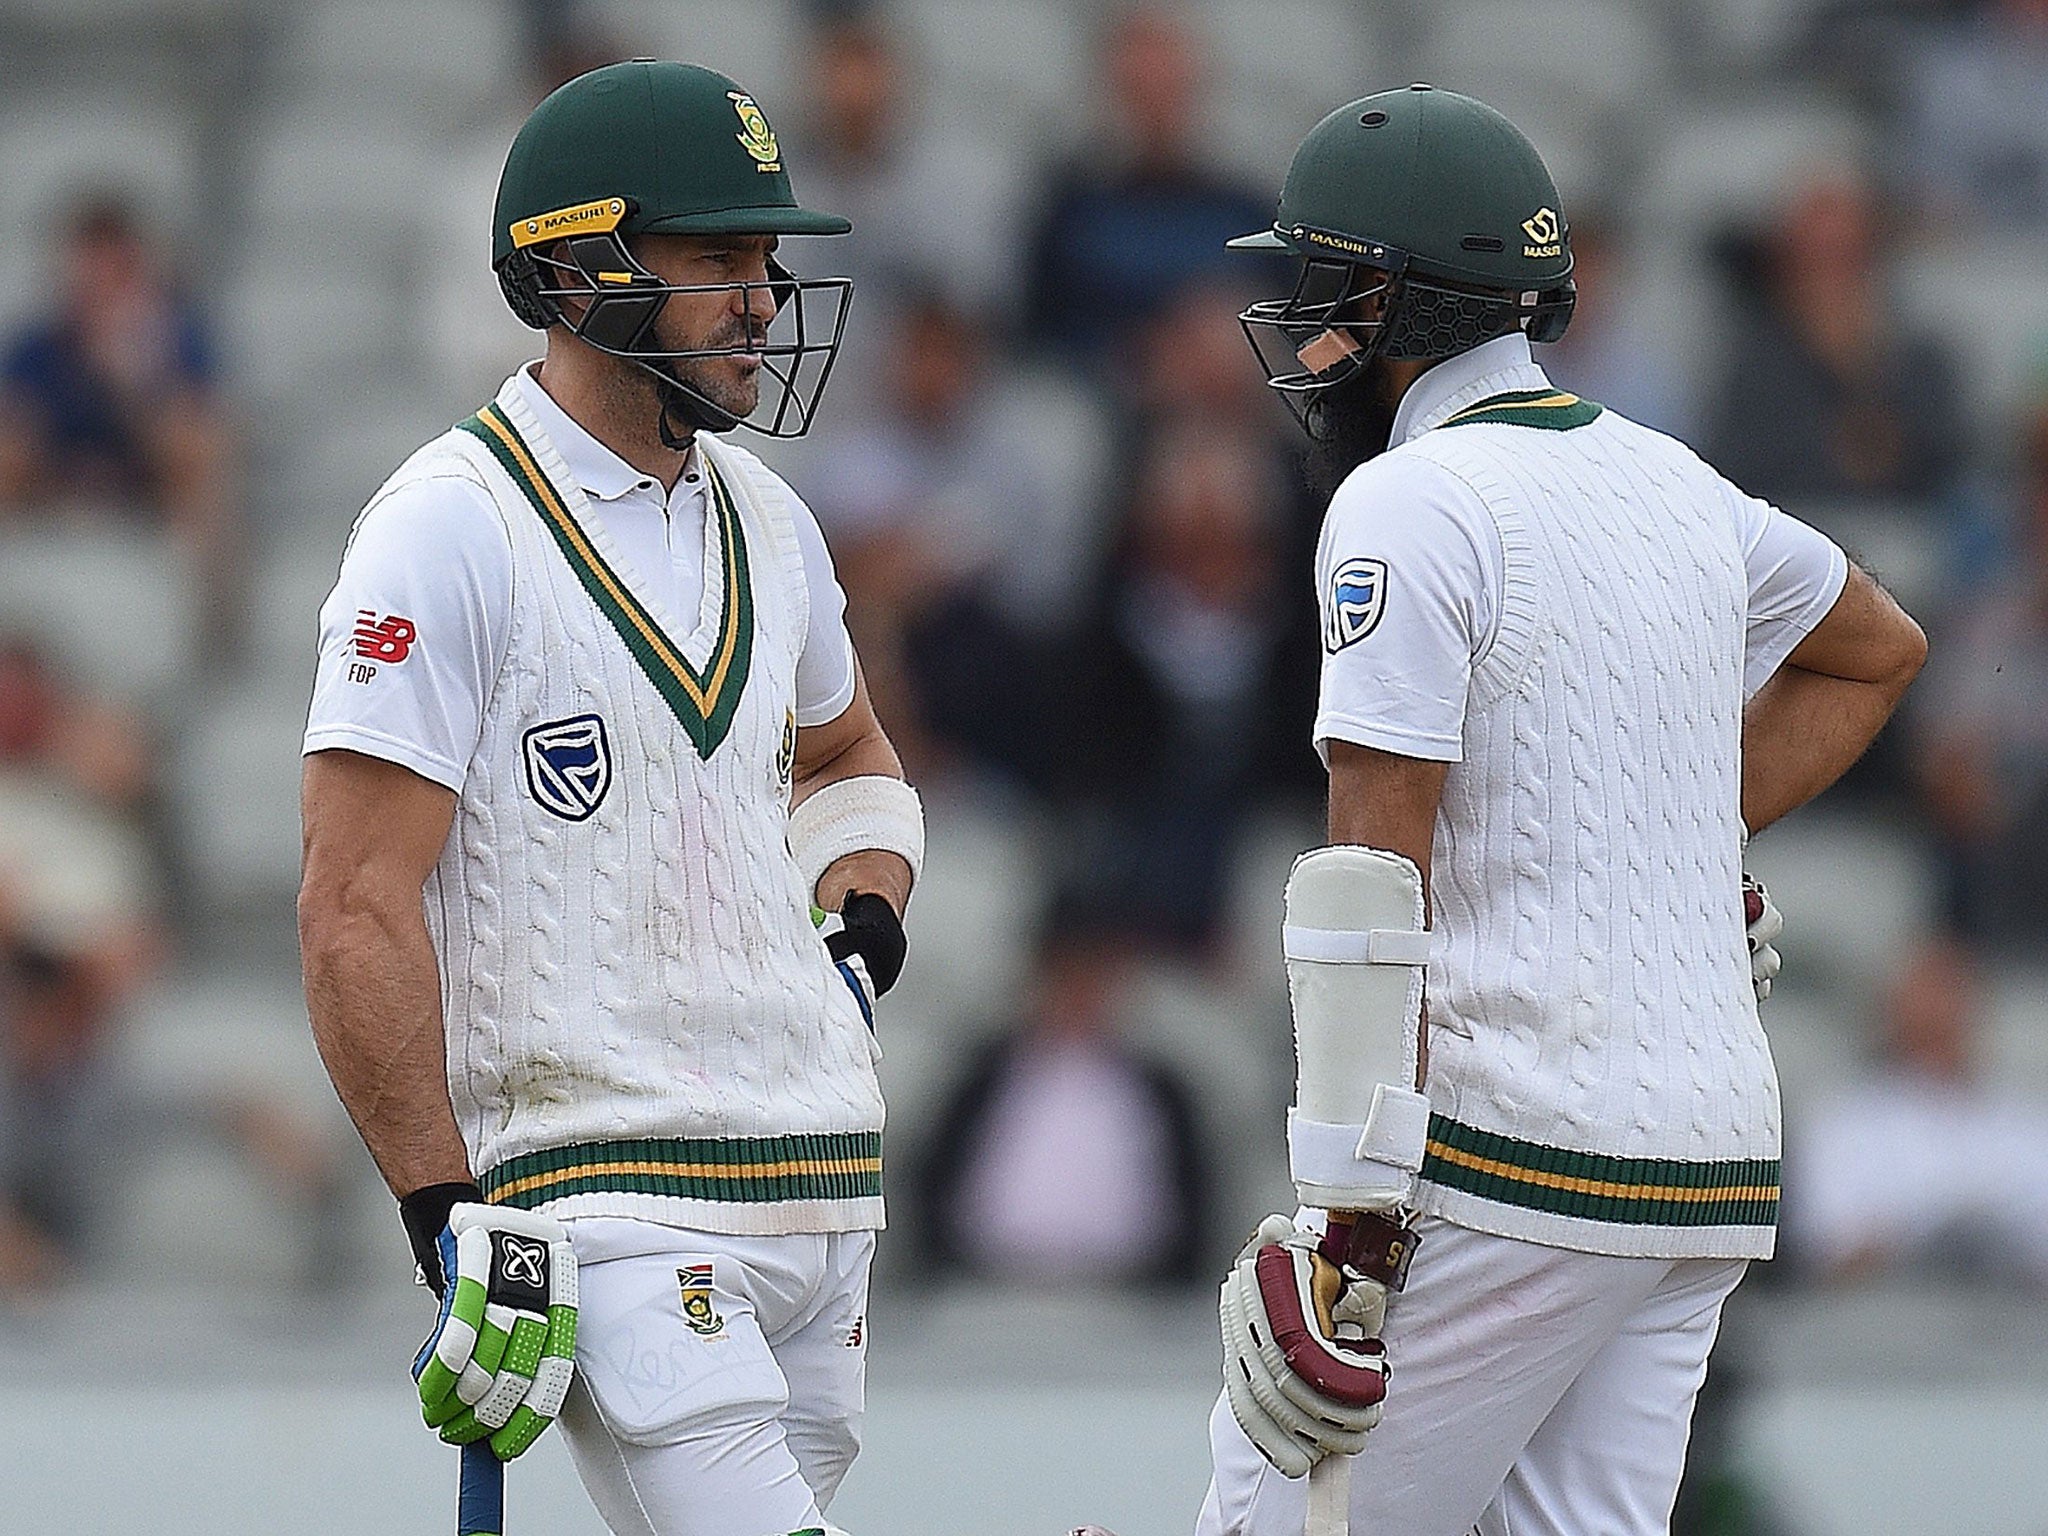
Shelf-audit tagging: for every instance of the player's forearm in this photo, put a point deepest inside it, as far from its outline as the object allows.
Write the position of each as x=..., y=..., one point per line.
x=1802, y=732
x=869, y=752
x=863, y=754
x=373, y=993
x=872, y=869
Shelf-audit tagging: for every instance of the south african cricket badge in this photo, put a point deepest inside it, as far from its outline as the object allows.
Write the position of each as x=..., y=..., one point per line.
x=785, y=758
x=698, y=1312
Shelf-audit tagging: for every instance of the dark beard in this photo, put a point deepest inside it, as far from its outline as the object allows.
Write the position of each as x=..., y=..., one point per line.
x=1348, y=423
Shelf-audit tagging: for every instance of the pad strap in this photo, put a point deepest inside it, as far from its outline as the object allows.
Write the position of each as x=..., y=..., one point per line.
x=1349, y=946
x=1361, y=1167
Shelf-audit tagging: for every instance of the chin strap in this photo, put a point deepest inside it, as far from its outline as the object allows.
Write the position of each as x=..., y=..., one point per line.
x=685, y=412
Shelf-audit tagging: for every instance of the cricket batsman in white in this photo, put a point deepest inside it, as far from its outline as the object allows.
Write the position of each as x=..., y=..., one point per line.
x=1567, y=670
x=605, y=850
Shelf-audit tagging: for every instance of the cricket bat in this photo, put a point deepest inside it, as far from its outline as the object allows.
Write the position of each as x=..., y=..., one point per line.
x=480, y=1500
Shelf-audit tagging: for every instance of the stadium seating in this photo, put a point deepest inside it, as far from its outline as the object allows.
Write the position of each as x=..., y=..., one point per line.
x=113, y=605
x=60, y=143
x=1354, y=55
x=757, y=42
x=328, y=217
x=439, y=64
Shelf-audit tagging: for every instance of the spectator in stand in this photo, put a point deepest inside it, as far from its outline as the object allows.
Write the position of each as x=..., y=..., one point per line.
x=1063, y=1154
x=1141, y=215
x=77, y=937
x=1973, y=118
x=1613, y=352
x=1890, y=1174
x=55, y=1107
x=1823, y=398
x=961, y=533
x=80, y=936
x=934, y=212
x=1154, y=740
x=31, y=1258
x=108, y=403
x=1190, y=376
x=1188, y=365
x=74, y=776
x=1983, y=730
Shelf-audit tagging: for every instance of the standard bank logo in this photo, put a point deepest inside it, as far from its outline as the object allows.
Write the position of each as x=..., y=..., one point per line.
x=569, y=766
x=1358, y=596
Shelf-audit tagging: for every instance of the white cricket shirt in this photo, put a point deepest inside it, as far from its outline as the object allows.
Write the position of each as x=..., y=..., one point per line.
x=1405, y=691
x=429, y=569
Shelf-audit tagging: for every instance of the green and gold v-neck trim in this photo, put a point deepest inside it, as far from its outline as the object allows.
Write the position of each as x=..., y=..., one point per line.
x=1552, y=409
x=705, y=698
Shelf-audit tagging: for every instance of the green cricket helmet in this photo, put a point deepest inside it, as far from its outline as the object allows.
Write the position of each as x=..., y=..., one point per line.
x=1428, y=201
x=651, y=147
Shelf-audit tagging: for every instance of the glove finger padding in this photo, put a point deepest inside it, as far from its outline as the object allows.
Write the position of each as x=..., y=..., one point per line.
x=1305, y=1421
x=1304, y=1376
x=1340, y=1381
x=1268, y=1421
x=502, y=1354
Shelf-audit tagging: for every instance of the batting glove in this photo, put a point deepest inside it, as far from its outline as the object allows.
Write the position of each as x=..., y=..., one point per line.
x=866, y=941
x=1765, y=922
x=1303, y=1365
x=503, y=1350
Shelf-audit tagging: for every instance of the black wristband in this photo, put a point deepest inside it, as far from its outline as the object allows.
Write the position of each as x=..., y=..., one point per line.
x=425, y=1213
x=875, y=933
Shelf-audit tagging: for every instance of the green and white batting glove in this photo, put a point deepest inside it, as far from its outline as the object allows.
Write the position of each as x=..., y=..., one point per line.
x=503, y=1351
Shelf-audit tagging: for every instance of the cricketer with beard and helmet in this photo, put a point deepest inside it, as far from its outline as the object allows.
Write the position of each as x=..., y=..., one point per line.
x=605, y=850
x=1567, y=668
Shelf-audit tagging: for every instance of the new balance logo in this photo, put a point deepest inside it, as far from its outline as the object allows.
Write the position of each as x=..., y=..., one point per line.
x=387, y=639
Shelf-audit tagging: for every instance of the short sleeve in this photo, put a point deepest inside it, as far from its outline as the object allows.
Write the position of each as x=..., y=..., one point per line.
x=415, y=630
x=825, y=671
x=1408, y=579
x=1795, y=572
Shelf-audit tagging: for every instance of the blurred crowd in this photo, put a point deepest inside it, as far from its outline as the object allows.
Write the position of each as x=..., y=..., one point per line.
x=1075, y=531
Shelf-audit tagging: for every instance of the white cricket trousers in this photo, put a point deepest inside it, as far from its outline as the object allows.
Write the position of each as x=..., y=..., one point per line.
x=1535, y=1392
x=729, y=1414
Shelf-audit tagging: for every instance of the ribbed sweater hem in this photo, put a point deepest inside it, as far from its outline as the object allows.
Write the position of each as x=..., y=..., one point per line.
x=778, y=1218
x=1620, y=1240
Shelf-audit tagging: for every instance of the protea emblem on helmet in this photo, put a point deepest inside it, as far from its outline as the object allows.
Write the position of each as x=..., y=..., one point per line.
x=759, y=139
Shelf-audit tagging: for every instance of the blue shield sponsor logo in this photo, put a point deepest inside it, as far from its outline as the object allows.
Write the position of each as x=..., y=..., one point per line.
x=569, y=766
x=1358, y=596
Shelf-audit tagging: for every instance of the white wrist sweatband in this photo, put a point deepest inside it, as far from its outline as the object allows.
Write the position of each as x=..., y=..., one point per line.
x=870, y=811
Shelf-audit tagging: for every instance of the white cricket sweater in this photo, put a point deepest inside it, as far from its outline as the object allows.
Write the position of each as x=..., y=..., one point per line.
x=641, y=1018
x=1571, y=610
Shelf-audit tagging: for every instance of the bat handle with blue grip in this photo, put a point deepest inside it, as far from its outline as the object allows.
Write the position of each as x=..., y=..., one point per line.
x=480, y=1502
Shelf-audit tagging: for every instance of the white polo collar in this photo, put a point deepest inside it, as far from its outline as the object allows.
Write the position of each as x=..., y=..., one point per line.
x=603, y=475
x=1491, y=368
